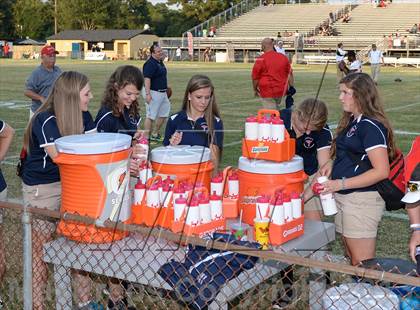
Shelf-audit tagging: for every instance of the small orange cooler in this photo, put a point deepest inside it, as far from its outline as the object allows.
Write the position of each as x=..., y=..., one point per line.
x=94, y=178
x=183, y=162
x=258, y=177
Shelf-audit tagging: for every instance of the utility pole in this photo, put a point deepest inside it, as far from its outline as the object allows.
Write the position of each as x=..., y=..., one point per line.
x=55, y=16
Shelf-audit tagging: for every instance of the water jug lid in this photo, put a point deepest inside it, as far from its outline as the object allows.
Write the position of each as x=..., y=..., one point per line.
x=269, y=167
x=180, y=154
x=95, y=143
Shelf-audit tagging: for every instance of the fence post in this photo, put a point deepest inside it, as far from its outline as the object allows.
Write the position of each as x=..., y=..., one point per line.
x=27, y=260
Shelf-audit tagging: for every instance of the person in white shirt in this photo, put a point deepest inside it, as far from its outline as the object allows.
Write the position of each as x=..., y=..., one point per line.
x=376, y=59
x=355, y=66
x=178, y=53
x=339, y=57
x=279, y=47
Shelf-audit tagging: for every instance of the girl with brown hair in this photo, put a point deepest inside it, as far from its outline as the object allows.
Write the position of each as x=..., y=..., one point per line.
x=365, y=133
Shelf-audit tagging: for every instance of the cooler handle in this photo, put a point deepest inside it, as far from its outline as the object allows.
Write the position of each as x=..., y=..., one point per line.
x=69, y=161
x=262, y=112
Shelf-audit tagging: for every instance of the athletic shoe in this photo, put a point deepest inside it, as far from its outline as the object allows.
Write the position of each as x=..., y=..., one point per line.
x=157, y=138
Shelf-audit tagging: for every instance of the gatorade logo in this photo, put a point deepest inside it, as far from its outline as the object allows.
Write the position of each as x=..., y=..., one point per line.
x=292, y=230
x=260, y=149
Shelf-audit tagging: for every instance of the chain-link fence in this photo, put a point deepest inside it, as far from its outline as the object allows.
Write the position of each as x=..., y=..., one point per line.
x=138, y=267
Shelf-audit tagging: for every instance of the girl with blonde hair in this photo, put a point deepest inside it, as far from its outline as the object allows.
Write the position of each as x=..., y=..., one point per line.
x=198, y=122
x=65, y=112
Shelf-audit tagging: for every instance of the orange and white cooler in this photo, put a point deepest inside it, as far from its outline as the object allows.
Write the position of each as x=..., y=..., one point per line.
x=262, y=177
x=183, y=162
x=94, y=178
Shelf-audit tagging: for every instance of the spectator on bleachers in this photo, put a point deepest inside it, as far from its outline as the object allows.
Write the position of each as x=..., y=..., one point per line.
x=382, y=4
x=346, y=18
x=396, y=41
x=265, y=3
x=414, y=29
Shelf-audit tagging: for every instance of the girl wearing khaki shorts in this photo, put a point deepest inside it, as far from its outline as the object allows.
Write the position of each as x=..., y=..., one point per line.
x=65, y=112
x=365, y=131
x=308, y=125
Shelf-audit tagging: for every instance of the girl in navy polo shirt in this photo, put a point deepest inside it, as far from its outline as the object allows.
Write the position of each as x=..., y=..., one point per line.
x=65, y=112
x=365, y=132
x=308, y=125
x=198, y=123
x=119, y=111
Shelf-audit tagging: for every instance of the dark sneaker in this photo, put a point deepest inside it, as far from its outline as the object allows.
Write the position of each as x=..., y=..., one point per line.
x=156, y=138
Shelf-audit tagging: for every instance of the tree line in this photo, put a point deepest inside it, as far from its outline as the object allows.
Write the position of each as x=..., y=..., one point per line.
x=35, y=18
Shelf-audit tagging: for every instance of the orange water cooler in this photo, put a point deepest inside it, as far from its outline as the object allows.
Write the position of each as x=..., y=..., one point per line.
x=94, y=177
x=183, y=162
x=262, y=177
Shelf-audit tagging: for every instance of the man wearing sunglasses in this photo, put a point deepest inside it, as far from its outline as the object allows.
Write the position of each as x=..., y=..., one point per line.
x=412, y=197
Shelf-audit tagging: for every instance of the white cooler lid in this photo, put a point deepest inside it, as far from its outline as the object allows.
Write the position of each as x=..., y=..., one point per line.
x=270, y=167
x=180, y=154
x=95, y=143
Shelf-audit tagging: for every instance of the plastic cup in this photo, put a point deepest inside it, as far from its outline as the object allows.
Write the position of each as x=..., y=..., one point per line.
x=261, y=231
x=239, y=230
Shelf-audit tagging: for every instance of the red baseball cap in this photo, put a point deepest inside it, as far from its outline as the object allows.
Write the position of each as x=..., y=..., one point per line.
x=48, y=50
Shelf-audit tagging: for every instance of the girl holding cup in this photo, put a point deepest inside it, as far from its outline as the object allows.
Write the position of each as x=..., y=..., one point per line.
x=365, y=131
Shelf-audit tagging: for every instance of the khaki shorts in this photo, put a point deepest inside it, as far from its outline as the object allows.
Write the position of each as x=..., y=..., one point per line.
x=3, y=197
x=271, y=103
x=159, y=106
x=43, y=196
x=313, y=204
x=359, y=214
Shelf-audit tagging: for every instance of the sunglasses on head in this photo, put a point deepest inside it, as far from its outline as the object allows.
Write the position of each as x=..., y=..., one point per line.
x=412, y=187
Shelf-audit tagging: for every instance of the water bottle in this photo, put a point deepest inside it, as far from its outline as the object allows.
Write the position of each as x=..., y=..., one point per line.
x=264, y=129
x=251, y=128
x=327, y=200
x=277, y=130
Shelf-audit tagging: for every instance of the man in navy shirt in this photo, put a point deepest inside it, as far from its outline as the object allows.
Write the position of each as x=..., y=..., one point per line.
x=41, y=80
x=155, y=85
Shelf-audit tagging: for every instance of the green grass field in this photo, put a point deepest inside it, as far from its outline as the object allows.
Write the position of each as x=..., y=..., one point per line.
x=236, y=102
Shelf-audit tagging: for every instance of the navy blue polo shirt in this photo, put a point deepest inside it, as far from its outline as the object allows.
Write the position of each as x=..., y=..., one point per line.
x=361, y=135
x=307, y=146
x=193, y=133
x=39, y=167
x=2, y=180
x=125, y=123
x=88, y=123
x=156, y=71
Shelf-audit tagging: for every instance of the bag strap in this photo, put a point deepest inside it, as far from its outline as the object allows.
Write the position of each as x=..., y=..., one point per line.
x=357, y=160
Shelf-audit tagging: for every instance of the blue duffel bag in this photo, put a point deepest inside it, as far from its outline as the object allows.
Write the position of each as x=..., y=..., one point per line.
x=199, y=279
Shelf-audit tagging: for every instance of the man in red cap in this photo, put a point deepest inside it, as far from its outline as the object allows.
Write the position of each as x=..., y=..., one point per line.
x=41, y=80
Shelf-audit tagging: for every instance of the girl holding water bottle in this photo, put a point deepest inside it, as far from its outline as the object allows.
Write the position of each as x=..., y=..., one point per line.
x=364, y=131
x=308, y=125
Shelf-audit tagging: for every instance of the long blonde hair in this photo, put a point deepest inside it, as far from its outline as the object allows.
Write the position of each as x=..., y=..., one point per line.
x=312, y=111
x=64, y=103
x=198, y=82
x=366, y=96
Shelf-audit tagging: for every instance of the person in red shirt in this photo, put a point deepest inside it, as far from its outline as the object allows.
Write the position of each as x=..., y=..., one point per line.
x=271, y=75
